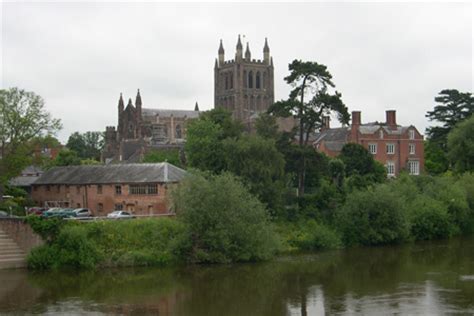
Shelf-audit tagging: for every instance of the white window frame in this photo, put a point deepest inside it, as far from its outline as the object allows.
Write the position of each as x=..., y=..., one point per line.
x=411, y=134
x=390, y=166
x=372, y=147
x=414, y=167
x=411, y=149
x=388, y=146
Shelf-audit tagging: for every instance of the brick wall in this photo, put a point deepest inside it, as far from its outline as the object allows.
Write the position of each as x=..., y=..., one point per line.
x=105, y=201
x=21, y=233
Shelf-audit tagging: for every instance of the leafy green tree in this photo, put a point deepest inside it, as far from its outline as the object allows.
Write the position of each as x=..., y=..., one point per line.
x=453, y=107
x=436, y=161
x=311, y=80
x=65, y=157
x=260, y=165
x=223, y=118
x=337, y=172
x=87, y=145
x=203, y=148
x=359, y=162
x=266, y=126
x=22, y=118
x=225, y=222
x=461, y=146
x=170, y=155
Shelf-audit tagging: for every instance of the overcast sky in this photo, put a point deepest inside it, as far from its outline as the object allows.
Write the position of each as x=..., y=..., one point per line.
x=80, y=56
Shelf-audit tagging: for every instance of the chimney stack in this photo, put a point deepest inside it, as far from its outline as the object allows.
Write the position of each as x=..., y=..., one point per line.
x=326, y=123
x=391, y=119
x=355, y=118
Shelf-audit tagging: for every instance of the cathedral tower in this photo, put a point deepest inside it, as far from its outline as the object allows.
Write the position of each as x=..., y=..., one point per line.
x=243, y=85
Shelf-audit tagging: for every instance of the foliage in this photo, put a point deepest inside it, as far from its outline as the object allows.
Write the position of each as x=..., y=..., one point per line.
x=359, y=161
x=461, y=146
x=170, y=155
x=313, y=236
x=453, y=107
x=315, y=79
x=266, y=126
x=373, y=217
x=65, y=157
x=22, y=118
x=223, y=118
x=260, y=165
x=225, y=222
x=429, y=219
x=203, y=146
x=143, y=242
x=436, y=161
x=87, y=145
x=48, y=229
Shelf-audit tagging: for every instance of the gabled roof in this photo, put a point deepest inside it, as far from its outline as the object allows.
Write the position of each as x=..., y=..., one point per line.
x=168, y=113
x=113, y=173
x=340, y=134
x=371, y=128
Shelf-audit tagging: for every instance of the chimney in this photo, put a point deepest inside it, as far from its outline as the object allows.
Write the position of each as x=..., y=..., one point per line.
x=326, y=123
x=355, y=118
x=391, y=118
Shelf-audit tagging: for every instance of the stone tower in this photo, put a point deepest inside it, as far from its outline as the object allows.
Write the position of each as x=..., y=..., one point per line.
x=243, y=85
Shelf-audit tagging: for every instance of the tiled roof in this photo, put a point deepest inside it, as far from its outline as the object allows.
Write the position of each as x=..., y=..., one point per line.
x=168, y=113
x=333, y=135
x=113, y=173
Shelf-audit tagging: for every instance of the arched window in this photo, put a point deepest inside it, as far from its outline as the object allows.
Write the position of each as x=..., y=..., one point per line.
x=245, y=79
x=250, y=81
x=257, y=80
x=226, y=82
x=264, y=81
x=231, y=80
x=178, y=131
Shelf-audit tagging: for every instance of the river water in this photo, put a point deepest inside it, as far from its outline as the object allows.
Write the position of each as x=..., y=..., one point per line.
x=431, y=278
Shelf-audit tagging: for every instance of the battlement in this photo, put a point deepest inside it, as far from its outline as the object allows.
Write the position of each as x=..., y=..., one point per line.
x=110, y=128
x=246, y=62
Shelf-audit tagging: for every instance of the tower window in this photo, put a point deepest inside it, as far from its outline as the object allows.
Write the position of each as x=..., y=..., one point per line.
x=245, y=79
x=264, y=79
x=226, y=82
x=257, y=80
x=178, y=131
x=250, y=81
x=231, y=80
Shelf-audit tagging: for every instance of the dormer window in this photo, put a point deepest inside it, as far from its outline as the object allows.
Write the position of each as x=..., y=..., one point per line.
x=411, y=134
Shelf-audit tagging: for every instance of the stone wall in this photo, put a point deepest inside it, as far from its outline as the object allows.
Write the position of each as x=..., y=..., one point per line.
x=18, y=230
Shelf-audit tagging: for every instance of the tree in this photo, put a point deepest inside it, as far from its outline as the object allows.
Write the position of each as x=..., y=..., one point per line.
x=87, y=145
x=261, y=167
x=223, y=118
x=266, y=126
x=359, y=161
x=225, y=222
x=436, y=161
x=22, y=118
x=169, y=155
x=453, y=108
x=311, y=80
x=461, y=146
x=66, y=157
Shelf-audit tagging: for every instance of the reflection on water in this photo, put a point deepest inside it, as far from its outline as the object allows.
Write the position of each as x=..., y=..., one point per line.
x=430, y=279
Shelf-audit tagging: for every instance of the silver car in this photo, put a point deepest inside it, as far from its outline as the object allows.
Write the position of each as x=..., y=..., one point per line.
x=120, y=215
x=82, y=212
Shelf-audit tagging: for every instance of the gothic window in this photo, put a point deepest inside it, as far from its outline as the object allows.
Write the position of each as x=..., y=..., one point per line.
x=250, y=81
x=178, y=131
x=257, y=80
x=231, y=80
x=245, y=79
x=226, y=82
x=264, y=81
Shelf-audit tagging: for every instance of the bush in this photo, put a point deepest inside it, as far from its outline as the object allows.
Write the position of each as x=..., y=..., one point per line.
x=314, y=236
x=225, y=223
x=42, y=258
x=373, y=217
x=429, y=219
x=47, y=228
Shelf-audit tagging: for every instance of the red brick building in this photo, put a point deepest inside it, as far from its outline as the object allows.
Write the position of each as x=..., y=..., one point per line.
x=397, y=147
x=139, y=188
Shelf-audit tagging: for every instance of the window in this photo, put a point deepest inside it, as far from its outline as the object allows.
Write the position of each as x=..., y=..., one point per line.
x=414, y=167
x=118, y=189
x=257, y=80
x=411, y=134
x=141, y=189
x=250, y=80
x=411, y=149
x=390, y=149
x=373, y=148
x=231, y=80
x=178, y=131
x=226, y=82
x=119, y=207
x=78, y=189
x=100, y=207
x=99, y=189
x=390, y=168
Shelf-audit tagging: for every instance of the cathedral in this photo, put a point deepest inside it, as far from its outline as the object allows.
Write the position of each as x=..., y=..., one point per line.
x=243, y=85
x=140, y=129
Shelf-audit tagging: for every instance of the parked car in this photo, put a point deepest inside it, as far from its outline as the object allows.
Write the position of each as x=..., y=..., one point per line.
x=4, y=214
x=82, y=212
x=37, y=210
x=59, y=212
x=120, y=215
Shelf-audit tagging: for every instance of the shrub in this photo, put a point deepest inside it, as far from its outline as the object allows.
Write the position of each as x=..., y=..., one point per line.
x=429, y=219
x=373, y=217
x=42, y=258
x=47, y=228
x=225, y=223
x=314, y=236
x=75, y=249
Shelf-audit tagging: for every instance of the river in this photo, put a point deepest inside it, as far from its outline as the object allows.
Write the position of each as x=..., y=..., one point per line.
x=430, y=278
